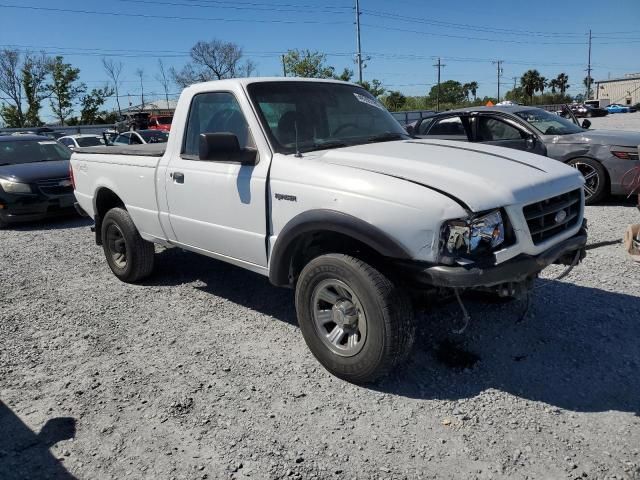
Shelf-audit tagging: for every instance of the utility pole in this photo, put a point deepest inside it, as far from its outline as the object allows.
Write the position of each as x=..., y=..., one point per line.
x=499, y=70
x=515, y=80
x=440, y=65
x=589, y=69
x=284, y=66
x=359, y=54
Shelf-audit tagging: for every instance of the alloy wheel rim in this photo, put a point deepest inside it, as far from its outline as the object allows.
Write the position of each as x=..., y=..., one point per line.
x=117, y=246
x=591, y=178
x=339, y=318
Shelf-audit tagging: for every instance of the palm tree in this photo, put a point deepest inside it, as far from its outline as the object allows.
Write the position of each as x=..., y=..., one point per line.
x=563, y=83
x=530, y=82
x=542, y=83
x=465, y=90
x=553, y=84
x=473, y=88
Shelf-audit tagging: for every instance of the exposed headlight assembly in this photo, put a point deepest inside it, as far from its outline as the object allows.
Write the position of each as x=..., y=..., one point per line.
x=14, y=187
x=471, y=238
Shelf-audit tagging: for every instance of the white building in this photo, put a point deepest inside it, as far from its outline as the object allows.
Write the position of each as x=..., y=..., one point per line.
x=624, y=90
x=154, y=107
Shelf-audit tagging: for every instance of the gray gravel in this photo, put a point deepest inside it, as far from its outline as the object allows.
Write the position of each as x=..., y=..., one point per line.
x=202, y=373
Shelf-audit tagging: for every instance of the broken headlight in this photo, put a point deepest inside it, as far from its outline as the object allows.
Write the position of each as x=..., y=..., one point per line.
x=470, y=238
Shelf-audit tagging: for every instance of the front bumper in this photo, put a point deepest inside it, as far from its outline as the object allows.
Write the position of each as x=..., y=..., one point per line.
x=29, y=208
x=516, y=270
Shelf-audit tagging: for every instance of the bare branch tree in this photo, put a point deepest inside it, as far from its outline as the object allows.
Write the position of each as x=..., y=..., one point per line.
x=140, y=75
x=164, y=79
x=214, y=60
x=114, y=70
x=11, y=86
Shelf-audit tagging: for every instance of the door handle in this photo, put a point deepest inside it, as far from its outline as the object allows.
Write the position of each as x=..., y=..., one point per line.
x=178, y=177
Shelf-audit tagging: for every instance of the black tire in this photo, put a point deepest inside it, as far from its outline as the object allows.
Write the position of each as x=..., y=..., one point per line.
x=388, y=315
x=596, y=187
x=129, y=256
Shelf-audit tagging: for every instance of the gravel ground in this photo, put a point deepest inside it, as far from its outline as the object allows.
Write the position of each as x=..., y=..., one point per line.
x=617, y=121
x=202, y=373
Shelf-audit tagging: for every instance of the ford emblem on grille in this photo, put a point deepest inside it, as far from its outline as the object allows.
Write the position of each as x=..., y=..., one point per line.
x=560, y=216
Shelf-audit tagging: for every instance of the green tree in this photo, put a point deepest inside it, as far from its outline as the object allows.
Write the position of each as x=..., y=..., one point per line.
x=394, y=101
x=308, y=64
x=11, y=116
x=34, y=73
x=374, y=87
x=562, y=82
x=450, y=92
x=91, y=103
x=64, y=88
x=466, y=88
x=473, y=88
x=553, y=84
x=531, y=83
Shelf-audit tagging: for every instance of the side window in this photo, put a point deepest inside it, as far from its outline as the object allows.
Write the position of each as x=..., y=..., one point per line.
x=122, y=139
x=492, y=130
x=66, y=141
x=450, y=127
x=424, y=126
x=215, y=112
x=134, y=139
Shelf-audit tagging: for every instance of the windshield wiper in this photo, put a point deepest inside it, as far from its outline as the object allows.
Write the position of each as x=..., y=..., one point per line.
x=387, y=137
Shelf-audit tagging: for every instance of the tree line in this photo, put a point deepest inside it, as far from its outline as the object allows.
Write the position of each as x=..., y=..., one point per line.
x=28, y=80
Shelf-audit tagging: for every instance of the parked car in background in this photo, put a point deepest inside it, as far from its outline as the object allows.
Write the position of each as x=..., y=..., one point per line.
x=80, y=140
x=581, y=110
x=160, y=122
x=34, y=179
x=618, y=108
x=603, y=157
x=141, y=137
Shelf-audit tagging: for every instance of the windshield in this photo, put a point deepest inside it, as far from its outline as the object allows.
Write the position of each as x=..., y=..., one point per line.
x=89, y=141
x=321, y=115
x=153, y=136
x=30, y=151
x=549, y=123
x=164, y=120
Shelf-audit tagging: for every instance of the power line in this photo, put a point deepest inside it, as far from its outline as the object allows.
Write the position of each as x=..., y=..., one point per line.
x=165, y=17
x=249, y=6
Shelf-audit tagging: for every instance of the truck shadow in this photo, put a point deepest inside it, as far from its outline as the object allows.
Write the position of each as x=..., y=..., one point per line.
x=25, y=454
x=577, y=348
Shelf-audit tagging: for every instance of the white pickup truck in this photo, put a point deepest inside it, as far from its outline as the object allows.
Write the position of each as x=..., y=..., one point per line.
x=315, y=185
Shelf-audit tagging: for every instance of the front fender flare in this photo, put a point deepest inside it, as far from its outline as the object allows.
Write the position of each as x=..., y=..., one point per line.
x=324, y=220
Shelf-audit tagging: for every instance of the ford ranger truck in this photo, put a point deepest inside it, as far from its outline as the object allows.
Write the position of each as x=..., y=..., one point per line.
x=313, y=184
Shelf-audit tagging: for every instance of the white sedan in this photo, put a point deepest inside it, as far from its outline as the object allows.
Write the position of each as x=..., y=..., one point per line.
x=141, y=137
x=81, y=140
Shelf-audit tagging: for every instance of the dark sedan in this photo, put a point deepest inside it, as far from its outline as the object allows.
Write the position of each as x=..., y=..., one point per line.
x=582, y=110
x=34, y=179
x=603, y=157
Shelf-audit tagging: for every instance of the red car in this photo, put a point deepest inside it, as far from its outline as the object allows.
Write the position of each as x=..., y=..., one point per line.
x=160, y=122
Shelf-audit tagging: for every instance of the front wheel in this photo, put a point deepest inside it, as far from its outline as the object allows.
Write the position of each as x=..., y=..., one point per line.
x=356, y=322
x=595, y=179
x=129, y=256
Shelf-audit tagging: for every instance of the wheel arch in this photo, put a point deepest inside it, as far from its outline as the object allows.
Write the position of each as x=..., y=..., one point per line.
x=604, y=168
x=104, y=200
x=322, y=231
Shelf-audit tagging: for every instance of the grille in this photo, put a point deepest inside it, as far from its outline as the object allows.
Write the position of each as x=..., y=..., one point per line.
x=52, y=186
x=544, y=218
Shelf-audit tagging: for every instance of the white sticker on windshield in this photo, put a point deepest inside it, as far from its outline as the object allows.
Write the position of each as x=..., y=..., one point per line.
x=47, y=142
x=369, y=101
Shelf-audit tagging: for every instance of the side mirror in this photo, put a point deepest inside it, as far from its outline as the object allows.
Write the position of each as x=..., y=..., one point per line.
x=225, y=147
x=586, y=123
x=531, y=141
x=410, y=129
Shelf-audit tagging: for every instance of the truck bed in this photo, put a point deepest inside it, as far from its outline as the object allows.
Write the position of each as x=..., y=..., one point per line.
x=149, y=150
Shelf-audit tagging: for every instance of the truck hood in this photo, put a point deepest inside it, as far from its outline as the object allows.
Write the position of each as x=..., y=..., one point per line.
x=602, y=137
x=34, y=171
x=479, y=177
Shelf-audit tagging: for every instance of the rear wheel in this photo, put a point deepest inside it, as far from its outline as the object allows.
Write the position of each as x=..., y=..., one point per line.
x=129, y=256
x=595, y=179
x=356, y=322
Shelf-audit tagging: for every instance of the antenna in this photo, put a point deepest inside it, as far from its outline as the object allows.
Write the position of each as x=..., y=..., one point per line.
x=295, y=127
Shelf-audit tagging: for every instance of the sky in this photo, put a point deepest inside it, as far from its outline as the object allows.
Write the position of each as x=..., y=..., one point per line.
x=401, y=39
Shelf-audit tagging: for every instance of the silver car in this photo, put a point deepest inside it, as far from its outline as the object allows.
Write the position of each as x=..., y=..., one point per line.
x=603, y=156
